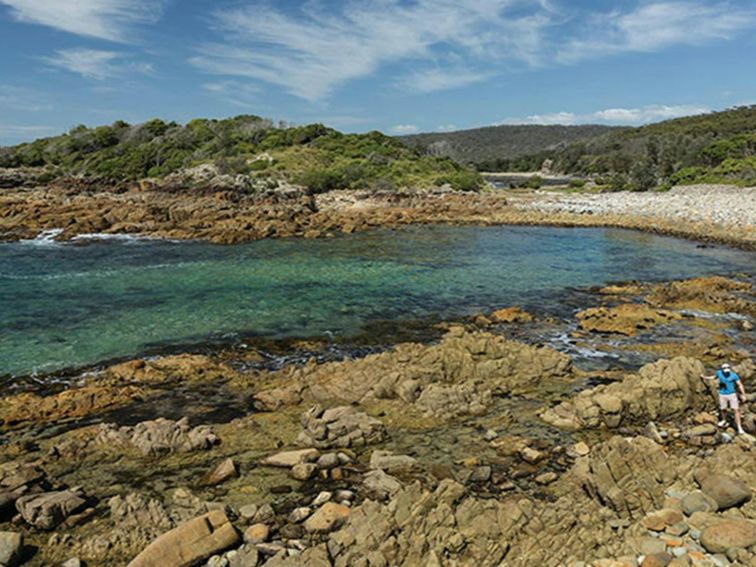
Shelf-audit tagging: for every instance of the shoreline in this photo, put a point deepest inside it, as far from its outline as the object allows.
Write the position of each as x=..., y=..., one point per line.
x=227, y=219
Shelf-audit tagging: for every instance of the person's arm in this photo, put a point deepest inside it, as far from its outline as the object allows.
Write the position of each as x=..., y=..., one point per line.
x=741, y=388
x=712, y=377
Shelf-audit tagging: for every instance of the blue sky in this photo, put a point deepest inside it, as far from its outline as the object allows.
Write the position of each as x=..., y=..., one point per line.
x=399, y=66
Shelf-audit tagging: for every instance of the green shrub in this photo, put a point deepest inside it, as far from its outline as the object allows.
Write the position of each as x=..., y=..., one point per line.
x=577, y=183
x=321, y=180
x=534, y=182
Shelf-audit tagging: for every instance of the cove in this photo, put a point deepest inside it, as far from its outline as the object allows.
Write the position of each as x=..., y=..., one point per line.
x=69, y=305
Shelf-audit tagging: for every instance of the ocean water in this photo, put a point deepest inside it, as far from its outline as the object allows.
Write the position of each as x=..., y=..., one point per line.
x=74, y=304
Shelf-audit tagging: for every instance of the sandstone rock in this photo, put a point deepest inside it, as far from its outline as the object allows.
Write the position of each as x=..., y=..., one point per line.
x=725, y=490
x=626, y=319
x=511, y=315
x=342, y=427
x=298, y=515
x=328, y=461
x=327, y=518
x=223, y=471
x=246, y=556
x=448, y=402
x=581, y=449
x=389, y=462
x=546, y=478
x=481, y=474
x=248, y=511
x=190, y=543
x=288, y=459
x=729, y=534
x=659, y=520
x=698, y=502
x=49, y=509
x=660, y=391
x=657, y=560
x=11, y=546
x=158, y=437
x=256, y=533
x=322, y=498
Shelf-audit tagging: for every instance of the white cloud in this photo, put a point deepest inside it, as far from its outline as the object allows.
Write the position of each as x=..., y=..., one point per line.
x=447, y=128
x=312, y=52
x=12, y=134
x=95, y=63
x=404, y=129
x=617, y=116
x=104, y=19
x=658, y=25
x=235, y=93
x=441, y=79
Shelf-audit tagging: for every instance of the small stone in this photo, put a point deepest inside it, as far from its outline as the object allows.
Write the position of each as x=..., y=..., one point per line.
x=344, y=495
x=389, y=462
x=698, y=502
x=581, y=449
x=299, y=514
x=531, y=455
x=11, y=544
x=490, y=435
x=256, y=533
x=677, y=529
x=328, y=461
x=651, y=546
x=222, y=472
x=657, y=560
x=73, y=562
x=248, y=511
x=658, y=521
x=481, y=474
x=288, y=459
x=303, y=471
x=264, y=514
x=321, y=499
x=546, y=478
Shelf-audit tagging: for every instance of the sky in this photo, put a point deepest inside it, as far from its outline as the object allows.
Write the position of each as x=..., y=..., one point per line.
x=399, y=66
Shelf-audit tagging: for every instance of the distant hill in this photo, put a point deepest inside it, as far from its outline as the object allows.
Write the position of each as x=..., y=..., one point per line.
x=713, y=148
x=314, y=156
x=494, y=147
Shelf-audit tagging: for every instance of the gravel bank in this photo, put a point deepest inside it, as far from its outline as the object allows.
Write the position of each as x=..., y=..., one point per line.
x=716, y=204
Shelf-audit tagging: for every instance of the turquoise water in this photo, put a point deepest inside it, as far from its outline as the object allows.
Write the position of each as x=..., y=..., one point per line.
x=65, y=305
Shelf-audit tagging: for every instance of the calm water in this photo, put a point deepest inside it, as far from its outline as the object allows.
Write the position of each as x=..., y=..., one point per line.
x=64, y=305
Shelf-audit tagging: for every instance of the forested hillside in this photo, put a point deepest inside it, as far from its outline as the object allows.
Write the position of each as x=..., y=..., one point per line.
x=315, y=156
x=493, y=148
x=716, y=147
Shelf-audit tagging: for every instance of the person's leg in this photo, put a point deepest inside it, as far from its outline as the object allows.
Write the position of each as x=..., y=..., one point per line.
x=737, y=421
x=722, y=411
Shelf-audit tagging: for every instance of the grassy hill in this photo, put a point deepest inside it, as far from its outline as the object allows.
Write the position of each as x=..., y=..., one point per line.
x=719, y=147
x=496, y=148
x=315, y=156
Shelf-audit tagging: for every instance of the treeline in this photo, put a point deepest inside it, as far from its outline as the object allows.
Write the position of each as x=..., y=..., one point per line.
x=493, y=148
x=719, y=147
x=315, y=156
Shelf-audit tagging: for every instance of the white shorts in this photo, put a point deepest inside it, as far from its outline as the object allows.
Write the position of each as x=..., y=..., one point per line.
x=730, y=400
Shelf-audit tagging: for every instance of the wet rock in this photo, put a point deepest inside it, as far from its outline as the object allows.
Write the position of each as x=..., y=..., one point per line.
x=11, y=546
x=223, y=471
x=49, y=509
x=158, y=437
x=389, y=462
x=626, y=319
x=725, y=490
x=191, y=542
x=256, y=533
x=662, y=390
x=728, y=534
x=341, y=427
x=174, y=368
x=288, y=459
x=328, y=517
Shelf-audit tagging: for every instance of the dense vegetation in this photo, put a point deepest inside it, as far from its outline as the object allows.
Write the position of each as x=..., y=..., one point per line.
x=496, y=148
x=719, y=147
x=315, y=156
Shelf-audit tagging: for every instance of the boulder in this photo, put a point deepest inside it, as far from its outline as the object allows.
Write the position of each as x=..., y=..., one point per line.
x=190, y=543
x=729, y=534
x=725, y=490
x=341, y=427
x=11, y=546
x=158, y=437
x=382, y=485
x=698, y=502
x=328, y=517
x=49, y=509
x=511, y=315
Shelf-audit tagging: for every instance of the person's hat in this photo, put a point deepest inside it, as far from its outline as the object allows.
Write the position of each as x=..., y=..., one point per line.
x=725, y=366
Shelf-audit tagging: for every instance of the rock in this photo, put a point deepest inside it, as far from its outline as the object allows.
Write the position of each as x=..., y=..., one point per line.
x=725, y=490
x=222, y=472
x=248, y=511
x=651, y=546
x=246, y=556
x=329, y=461
x=73, y=562
x=658, y=521
x=698, y=502
x=447, y=402
x=652, y=432
x=657, y=560
x=728, y=534
x=581, y=449
x=327, y=518
x=342, y=427
x=322, y=498
x=481, y=474
x=11, y=546
x=298, y=515
x=381, y=484
x=49, y=509
x=531, y=455
x=546, y=478
x=388, y=461
x=256, y=533
x=511, y=315
x=158, y=437
x=303, y=471
x=288, y=459
x=626, y=319
x=190, y=543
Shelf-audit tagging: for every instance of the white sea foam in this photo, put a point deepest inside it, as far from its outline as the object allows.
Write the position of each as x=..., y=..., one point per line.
x=44, y=238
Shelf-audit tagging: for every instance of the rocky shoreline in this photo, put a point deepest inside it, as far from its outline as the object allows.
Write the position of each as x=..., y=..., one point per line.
x=483, y=447
x=222, y=213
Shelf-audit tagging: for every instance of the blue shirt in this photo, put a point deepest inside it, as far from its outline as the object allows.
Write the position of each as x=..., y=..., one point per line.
x=727, y=382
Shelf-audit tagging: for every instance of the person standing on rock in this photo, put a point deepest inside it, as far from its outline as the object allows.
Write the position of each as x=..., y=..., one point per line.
x=728, y=397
